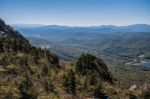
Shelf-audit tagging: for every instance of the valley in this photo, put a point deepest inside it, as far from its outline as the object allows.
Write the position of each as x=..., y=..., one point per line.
x=123, y=52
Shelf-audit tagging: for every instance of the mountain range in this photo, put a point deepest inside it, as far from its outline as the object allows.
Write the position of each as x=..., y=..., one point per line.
x=90, y=29
x=130, y=41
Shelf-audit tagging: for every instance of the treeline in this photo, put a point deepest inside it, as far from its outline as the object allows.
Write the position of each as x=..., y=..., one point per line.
x=15, y=45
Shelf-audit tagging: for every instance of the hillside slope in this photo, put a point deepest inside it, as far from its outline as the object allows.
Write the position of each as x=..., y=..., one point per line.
x=24, y=69
x=28, y=72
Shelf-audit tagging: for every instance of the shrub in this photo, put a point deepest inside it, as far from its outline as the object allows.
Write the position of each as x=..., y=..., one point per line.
x=98, y=93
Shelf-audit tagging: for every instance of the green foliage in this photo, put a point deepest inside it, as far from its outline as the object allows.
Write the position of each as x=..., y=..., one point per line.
x=69, y=83
x=14, y=45
x=85, y=64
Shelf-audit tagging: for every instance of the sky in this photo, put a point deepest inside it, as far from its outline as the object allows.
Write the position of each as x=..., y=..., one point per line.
x=76, y=12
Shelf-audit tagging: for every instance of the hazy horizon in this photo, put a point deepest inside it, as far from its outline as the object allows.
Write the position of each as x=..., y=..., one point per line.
x=40, y=24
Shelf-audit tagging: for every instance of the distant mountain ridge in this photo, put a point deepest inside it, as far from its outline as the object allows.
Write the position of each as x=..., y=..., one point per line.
x=131, y=40
x=98, y=29
x=20, y=25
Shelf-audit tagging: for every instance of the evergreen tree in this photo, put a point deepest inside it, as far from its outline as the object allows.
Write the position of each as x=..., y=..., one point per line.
x=69, y=83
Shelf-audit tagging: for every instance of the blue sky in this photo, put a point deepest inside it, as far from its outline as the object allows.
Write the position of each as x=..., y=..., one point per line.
x=76, y=12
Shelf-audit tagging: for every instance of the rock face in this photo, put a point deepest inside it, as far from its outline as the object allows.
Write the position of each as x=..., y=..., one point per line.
x=7, y=32
x=139, y=87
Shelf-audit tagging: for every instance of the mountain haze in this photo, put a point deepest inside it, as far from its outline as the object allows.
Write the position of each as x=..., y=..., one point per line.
x=90, y=29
